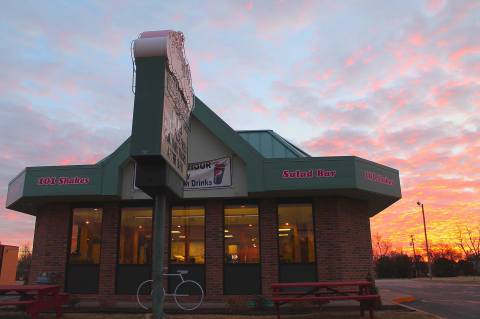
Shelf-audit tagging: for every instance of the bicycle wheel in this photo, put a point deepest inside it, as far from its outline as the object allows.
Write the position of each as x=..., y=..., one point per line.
x=188, y=295
x=144, y=294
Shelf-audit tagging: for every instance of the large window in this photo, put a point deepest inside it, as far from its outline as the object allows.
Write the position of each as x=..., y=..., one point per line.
x=136, y=236
x=295, y=233
x=187, y=235
x=86, y=236
x=242, y=242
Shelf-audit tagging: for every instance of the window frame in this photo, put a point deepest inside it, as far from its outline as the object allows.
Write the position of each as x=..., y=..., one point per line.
x=169, y=221
x=70, y=231
x=239, y=203
x=119, y=230
x=298, y=201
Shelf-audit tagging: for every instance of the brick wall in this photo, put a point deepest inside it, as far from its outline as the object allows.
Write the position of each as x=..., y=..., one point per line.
x=342, y=235
x=214, y=248
x=108, y=251
x=50, y=242
x=268, y=244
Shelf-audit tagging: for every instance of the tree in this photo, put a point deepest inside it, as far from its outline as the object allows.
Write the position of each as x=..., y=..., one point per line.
x=24, y=262
x=381, y=247
x=446, y=251
x=469, y=243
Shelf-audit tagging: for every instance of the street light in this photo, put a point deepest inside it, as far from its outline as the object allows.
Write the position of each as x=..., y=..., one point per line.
x=426, y=241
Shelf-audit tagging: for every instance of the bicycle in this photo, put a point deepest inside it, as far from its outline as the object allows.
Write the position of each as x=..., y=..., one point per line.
x=182, y=293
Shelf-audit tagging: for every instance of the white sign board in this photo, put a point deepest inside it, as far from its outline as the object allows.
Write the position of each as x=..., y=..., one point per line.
x=209, y=174
x=174, y=130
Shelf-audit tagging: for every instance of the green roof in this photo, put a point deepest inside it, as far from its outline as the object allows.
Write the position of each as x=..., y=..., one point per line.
x=274, y=167
x=271, y=145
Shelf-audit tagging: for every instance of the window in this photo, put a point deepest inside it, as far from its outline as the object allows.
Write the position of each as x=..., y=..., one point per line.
x=136, y=236
x=242, y=242
x=187, y=235
x=86, y=237
x=295, y=233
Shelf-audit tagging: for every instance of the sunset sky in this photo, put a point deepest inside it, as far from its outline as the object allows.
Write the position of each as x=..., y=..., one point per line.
x=395, y=82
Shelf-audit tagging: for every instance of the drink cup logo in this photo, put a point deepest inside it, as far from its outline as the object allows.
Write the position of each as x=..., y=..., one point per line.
x=218, y=172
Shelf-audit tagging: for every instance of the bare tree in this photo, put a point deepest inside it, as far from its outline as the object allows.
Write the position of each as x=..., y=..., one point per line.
x=381, y=247
x=446, y=251
x=24, y=262
x=469, y=243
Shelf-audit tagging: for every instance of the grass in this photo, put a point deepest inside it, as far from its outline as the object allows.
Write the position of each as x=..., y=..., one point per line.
x=324, y=315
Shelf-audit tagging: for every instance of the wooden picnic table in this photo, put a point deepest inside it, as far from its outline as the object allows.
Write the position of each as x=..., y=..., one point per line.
x=325, y=291
x=35, y=298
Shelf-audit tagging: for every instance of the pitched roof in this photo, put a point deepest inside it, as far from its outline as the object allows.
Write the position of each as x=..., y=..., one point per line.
x=271, y=145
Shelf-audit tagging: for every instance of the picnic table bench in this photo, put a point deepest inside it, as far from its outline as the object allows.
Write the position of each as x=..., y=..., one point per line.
x=324, y=292
x=35, y=298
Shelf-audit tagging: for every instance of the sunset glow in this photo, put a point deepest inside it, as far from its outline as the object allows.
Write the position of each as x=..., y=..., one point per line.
x=395, y=83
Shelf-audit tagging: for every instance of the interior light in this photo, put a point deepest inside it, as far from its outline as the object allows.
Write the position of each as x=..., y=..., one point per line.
x=228, y=236
x=226, y=230
x=282, y=235
x=87, y=222
x=179, y=226
x=284, y=229
x=140, y=226
x=181, y=236
x=176, y=232
x=287, y=224
x=250, y=225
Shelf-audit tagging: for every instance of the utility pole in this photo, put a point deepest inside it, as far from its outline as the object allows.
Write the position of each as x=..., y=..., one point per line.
x=426, y=242
x=412, y=243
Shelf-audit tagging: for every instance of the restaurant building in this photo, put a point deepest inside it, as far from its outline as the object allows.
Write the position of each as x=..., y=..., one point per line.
x=244, y=209
x=256, y=210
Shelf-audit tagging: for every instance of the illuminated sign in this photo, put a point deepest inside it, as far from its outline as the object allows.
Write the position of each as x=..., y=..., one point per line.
x=62, y=180
x=311, y=173
x=377, y=178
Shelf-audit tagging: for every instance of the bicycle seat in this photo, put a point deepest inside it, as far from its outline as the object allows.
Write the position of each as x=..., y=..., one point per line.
x=182, y=272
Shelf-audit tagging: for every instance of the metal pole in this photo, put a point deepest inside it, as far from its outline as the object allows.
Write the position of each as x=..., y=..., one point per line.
x=158, y=250
x=414, y=256
x=426, y=244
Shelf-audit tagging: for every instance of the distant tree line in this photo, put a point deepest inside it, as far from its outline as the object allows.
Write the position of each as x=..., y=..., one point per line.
x=448, y=260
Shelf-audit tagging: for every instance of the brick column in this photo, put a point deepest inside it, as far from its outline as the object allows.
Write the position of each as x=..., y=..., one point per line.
x=109, y=250
x=214, y=248
x=326, y=238
x=357, y=246
x=268, y=244
x=342, y=235
x=50, y=242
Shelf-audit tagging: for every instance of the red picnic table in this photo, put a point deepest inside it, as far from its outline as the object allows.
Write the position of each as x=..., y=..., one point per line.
x=35, y=298
x=323, y=292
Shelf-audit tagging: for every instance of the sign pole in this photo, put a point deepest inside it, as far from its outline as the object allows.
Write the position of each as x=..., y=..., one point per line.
x=158, y=252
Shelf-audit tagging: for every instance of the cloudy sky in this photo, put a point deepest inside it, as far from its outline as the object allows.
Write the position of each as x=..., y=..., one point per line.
x=396, y=82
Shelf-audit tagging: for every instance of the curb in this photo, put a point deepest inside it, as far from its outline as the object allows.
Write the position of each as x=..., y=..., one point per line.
x=421, y=311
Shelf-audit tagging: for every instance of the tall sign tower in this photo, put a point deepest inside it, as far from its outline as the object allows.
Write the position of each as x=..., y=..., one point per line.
x=164, y=101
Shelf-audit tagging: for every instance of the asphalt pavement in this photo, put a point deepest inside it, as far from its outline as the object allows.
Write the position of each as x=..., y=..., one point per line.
x=451, y=300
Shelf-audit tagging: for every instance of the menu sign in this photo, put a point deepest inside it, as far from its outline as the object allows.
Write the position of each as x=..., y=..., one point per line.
x=209, y=174
x=174, y=129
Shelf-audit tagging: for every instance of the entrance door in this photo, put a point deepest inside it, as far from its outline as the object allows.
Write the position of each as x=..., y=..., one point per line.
x=84, y=255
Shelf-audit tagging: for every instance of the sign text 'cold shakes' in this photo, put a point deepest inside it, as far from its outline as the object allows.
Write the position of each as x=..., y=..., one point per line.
x=311, y=173
x=62, y=180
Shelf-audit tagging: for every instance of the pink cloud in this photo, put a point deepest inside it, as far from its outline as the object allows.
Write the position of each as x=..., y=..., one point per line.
x=461, y=53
